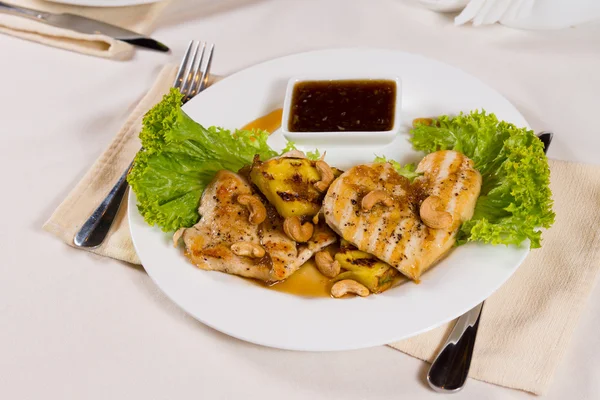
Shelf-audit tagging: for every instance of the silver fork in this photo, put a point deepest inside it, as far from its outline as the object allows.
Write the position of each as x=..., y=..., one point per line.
x=192, y=78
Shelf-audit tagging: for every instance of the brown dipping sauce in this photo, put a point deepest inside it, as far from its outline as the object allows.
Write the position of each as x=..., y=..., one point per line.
x=343, y=105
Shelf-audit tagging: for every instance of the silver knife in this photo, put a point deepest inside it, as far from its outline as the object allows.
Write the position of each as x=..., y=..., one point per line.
x=84, y=25
x=449, y=370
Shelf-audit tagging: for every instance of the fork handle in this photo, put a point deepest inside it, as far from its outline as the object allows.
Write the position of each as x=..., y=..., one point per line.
x=96, y=227
x=22, y=11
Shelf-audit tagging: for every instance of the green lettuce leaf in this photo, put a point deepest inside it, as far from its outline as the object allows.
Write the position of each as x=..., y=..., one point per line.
x=180, y=157
x=289, y=146
x=311, y=155
x=408, y=170
x=515, y=199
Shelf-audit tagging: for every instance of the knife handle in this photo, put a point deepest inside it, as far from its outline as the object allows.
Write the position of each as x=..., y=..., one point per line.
x=22, y=11
x=449, y=370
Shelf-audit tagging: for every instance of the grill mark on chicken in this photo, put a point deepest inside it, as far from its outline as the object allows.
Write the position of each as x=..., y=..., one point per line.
x=412, y=250
x=446, y=190
x=396, y=234
x=346, y=213
x=399, y=255
x=432, y=164
x=461, y=182
x=388, y=229
x=376, y=224
x=382, y=230
x=395, y=248
x=448, y=159
x=359, y=233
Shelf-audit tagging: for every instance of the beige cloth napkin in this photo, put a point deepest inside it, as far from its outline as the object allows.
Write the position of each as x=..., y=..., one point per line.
x=526, y=325
x=140, y=19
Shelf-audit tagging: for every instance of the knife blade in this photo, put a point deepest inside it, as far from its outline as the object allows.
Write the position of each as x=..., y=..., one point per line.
x=84, y=25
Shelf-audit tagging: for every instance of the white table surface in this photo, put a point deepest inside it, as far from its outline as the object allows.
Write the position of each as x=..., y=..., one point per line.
x=76, y=326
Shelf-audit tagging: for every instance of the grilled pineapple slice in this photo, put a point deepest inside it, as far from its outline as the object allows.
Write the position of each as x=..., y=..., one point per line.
x=364, y=268
x=289, y=184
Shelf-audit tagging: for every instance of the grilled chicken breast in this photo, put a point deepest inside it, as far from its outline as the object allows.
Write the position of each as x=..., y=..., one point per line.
x=225, y=221
x=392, y=229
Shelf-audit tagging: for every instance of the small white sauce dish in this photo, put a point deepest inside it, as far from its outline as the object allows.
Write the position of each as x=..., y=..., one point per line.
x=341, y=138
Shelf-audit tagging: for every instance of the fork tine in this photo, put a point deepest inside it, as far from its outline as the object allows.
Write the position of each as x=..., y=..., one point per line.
x=196, y=78
x=206, y=70
x=178, y=82
x=185, y=89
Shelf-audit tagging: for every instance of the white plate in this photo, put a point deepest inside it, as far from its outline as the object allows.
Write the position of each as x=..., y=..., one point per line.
x=104, y=3
x=249, y=312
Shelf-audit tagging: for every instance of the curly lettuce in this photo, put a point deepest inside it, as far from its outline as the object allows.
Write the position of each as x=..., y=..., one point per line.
x=313, y=155
x=180, y=157
x=515, y=200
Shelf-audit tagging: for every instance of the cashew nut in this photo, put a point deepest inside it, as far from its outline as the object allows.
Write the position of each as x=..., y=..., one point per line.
x=422, y=121
x=296, y=230
x=374, y=197
x=326, y=265
x=258, y=212
x=347, y=286
x=432, y=216
x=326, y=176
x=248, y=249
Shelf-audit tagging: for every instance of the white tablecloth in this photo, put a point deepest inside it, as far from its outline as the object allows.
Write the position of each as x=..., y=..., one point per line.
x=76, y=326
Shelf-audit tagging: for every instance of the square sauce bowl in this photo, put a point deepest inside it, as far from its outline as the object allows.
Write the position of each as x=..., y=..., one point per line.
x=342, y=110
